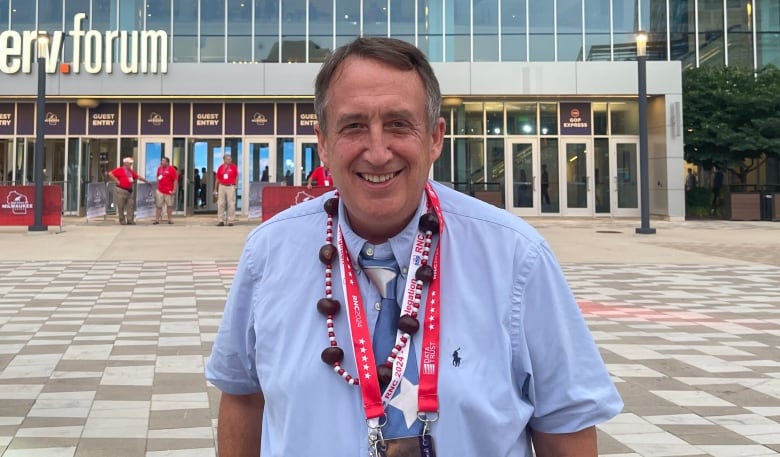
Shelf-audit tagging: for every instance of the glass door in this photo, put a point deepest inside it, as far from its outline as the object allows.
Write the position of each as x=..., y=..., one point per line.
x=522, y=180
x=259, y=171
x=625, y=182
x=205, y=155
x=578, y=170
x=307, y=157
x=152, y=151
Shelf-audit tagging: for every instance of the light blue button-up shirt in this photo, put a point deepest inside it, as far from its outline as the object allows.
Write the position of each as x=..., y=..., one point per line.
x=525, y=355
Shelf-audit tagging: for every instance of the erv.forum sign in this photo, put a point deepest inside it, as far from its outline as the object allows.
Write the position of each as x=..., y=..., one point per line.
x=139, y=51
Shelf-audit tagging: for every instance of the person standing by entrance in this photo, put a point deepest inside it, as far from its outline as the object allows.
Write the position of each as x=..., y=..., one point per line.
x=124, y=177
x=321, y=177
x=167, y=181
x=225, y=190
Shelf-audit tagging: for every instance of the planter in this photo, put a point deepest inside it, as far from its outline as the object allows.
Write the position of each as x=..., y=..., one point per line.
x=745, y=206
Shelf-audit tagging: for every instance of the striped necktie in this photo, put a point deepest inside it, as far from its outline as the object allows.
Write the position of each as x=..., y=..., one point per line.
x=402, y=409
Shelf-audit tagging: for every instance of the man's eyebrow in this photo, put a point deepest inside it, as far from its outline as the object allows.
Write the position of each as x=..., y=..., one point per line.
x=350, y=118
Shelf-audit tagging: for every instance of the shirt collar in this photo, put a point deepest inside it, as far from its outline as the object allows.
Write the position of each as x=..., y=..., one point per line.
x=401, y=244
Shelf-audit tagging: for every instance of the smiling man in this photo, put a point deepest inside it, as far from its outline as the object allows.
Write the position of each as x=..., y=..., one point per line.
x=345, y=309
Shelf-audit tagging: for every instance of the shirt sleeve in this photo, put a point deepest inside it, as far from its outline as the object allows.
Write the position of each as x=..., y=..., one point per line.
x=562, y=373
x=231, y=367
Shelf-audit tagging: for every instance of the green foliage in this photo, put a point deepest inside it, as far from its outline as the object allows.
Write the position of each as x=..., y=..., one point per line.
x=697, y=202
x=732, y=117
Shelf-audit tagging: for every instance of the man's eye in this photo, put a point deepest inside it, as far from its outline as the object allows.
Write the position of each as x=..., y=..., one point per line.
x=397, y=124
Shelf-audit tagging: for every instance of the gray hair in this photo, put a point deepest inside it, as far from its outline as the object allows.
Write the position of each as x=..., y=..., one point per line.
x=393, y=52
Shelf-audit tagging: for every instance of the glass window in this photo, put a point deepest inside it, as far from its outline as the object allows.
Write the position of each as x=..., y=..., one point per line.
x=681, y=32
x=131, y=15
x=375, y=18
x=740, y=33
x=430, y=30
x=49, y=14
x=185, y=31
x=599, y=118
x=656, y=36
x=239, y=31
x=158, y=16
x=457, y=19
x=542, y=43
x=23, y=15
x=513, y=28
x=320, y=29
x=597, y=46
x=294, y=31
x=569, y=30
x=446, y=113
x=442, y=167
x=601, y=174
x=495, y=165
x=285, y=161
x=347, y=21
x=550, y=176
x=4, y=16
x=521, y=118
x=548, y=118
x=468, y=119
x=267, y=31
x=212, y=31
x=768, y=31
x=624, y=118
x=624, y=24
x=469, y=158
x=103, y=15
x=711, y=42
x=73, y=7
x=402, y=20
x=494, y=112
x=486, y=31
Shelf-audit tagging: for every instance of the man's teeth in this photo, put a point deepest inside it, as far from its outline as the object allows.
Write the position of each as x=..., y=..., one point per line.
x=378, y=178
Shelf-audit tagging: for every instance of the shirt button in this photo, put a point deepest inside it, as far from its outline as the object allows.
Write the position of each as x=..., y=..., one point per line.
x=378, y=306
x=370, y=252
x=405, y=270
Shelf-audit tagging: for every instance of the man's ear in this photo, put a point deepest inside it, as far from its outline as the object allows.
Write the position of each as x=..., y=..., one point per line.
x=321, y=148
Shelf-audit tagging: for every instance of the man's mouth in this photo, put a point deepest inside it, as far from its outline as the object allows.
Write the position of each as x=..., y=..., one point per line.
x=377, y=179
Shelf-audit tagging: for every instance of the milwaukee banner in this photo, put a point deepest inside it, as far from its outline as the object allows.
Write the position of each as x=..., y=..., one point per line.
x=279, y=198
x=17, y=205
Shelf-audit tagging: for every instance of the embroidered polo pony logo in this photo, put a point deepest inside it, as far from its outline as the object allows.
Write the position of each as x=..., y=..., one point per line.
x=456, y=358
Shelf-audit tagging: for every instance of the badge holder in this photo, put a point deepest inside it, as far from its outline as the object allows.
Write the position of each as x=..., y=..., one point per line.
x=410, y=446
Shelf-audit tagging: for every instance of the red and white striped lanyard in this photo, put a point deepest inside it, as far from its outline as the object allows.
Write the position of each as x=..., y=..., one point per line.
x=373, y=399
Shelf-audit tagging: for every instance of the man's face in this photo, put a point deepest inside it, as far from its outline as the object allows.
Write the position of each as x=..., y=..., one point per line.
x=227, y=159
x=378, y=145
x=164, y=162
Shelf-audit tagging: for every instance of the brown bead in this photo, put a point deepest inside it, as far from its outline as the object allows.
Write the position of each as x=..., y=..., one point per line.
x=385, y=374
x=328, y=306
x=332, y=354
x=331, y=206
x=327, y=253
x=424, y=274
x=429, y=222
x=408, y=324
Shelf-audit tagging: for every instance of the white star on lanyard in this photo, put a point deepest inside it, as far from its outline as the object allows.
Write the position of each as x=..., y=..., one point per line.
x=406, y=401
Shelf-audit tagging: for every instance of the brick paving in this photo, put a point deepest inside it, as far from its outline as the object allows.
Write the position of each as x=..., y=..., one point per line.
x=101, y=356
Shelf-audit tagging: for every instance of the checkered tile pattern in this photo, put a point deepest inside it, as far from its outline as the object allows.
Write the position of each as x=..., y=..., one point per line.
x=106, y=358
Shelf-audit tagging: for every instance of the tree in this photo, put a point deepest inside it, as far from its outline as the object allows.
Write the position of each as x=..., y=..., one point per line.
x=731, y=117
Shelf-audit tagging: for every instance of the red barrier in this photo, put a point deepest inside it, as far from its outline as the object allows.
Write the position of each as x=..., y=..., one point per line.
x=279, y=198
x=17, y=205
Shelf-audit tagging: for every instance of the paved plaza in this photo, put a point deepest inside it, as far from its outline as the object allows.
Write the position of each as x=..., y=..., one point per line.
x=104, y=332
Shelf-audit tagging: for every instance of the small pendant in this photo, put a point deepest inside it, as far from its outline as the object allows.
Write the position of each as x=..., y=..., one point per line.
x=411, y=446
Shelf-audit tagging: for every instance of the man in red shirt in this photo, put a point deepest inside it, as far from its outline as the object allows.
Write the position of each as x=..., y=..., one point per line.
x=167, y=180
x=321, y=176
x=225, y=190
x=124, y=177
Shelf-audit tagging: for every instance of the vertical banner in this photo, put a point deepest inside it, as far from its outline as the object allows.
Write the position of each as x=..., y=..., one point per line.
x=144, y=201
x=97, y=197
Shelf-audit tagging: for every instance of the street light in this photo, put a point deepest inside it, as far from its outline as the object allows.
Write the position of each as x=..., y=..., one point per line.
x=43, y=45
x=644, y=173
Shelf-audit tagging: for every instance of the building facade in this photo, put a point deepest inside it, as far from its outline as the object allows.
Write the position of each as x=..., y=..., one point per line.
x=540, y=95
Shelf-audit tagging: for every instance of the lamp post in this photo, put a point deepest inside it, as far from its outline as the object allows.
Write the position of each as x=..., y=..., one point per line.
x=43, y=44
x=644, y=173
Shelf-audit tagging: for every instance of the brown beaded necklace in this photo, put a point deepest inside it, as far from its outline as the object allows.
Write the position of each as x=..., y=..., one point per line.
x=329, y=307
